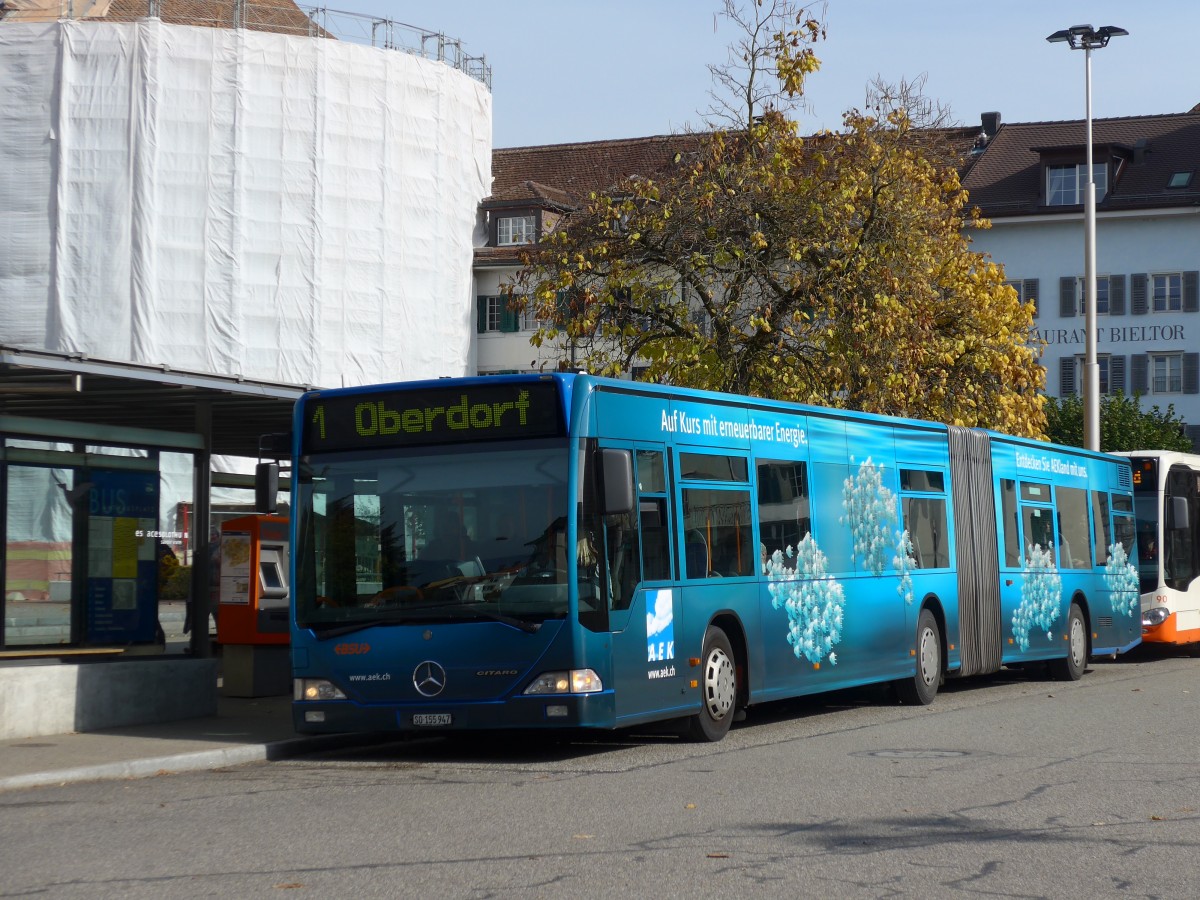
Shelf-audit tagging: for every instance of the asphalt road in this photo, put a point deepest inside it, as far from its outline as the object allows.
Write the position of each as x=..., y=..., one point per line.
x=1007, y=787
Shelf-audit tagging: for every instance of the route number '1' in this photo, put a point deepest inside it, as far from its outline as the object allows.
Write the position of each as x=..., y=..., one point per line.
x=319, y=420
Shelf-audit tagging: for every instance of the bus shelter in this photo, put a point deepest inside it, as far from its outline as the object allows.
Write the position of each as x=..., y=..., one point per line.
x=113, y=479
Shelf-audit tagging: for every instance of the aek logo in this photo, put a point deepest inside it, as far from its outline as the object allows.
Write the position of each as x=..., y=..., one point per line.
x=351, y=649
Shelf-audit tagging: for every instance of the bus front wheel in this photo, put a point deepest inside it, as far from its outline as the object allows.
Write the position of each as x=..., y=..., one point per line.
x=923, y=686
x=719, y=689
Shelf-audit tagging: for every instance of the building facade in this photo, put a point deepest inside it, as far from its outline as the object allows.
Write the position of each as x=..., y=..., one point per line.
x=1029, y=182
x=533, y=189
x=1026, y=178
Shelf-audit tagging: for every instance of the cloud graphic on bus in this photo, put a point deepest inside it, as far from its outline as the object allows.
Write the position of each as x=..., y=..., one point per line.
x=660, y=626
x=1121, y=578
x=815, y=602
x=1041, y=596
x=870, y=513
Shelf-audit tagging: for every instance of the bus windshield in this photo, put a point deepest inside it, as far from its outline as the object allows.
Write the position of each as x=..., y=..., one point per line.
x=432, y=535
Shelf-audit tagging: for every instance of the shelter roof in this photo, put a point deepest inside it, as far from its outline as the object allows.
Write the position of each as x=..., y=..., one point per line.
x=44, y=386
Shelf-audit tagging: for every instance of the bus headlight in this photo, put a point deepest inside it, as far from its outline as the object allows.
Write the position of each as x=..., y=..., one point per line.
x=1155, y=616
x=316, y=689
x=577, y=681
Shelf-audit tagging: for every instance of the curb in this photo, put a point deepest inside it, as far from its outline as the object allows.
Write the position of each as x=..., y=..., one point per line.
x=200, y=760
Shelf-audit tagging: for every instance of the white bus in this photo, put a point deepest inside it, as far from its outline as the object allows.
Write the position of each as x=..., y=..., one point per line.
x=1166, y=497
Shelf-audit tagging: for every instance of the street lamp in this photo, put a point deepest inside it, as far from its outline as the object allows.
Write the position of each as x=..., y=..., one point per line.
x=1087, y=38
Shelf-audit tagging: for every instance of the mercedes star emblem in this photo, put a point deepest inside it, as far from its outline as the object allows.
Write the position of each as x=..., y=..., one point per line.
x=429, y=678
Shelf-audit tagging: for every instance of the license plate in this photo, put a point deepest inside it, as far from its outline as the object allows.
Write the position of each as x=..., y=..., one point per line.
x=433, y=719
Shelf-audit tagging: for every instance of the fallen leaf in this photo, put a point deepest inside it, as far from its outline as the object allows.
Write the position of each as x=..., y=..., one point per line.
x=287, y=885
x=718, y=856
x=689, y=806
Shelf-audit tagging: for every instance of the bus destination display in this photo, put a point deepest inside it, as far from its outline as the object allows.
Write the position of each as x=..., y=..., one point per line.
x=431, y=416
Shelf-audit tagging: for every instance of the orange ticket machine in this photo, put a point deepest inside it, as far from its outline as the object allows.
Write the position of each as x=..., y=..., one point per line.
x=253, y=618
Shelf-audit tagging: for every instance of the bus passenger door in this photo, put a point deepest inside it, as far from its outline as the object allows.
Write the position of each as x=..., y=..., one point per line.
x=644, y=607
x=1031, y=585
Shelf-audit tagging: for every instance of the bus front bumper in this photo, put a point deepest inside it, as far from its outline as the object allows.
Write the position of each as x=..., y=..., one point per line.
x=1168, y=632
x=564, y=711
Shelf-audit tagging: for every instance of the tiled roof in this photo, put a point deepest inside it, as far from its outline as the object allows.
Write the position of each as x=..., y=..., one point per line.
x=567, y=173
x=486, y=257
x=282, y=16
x=527, y=192
x=1006, y=179
x=561, y=176
x=261, y=15
x=572, y=171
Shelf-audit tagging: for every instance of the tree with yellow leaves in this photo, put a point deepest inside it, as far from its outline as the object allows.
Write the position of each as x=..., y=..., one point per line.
x=832, y=270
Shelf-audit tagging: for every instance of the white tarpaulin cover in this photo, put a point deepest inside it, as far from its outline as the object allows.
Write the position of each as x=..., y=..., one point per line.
x=231, y=201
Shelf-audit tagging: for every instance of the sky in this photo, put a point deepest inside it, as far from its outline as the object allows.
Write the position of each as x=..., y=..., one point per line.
x=565, y=71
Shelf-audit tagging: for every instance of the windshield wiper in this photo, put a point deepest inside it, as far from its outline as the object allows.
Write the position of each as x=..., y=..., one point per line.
x=523, y=624
x=339, y=630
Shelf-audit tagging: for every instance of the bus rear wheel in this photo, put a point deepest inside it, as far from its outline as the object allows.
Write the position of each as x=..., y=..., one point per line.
x=719, y=689
x=1070, y=667
x=923, y=686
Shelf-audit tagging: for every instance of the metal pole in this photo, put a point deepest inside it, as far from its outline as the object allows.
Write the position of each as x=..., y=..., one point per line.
x=1091, y=370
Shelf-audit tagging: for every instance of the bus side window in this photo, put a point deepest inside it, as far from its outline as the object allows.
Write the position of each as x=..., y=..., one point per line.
x=925, y=517
x=653, y=520
x=784, y=517
x=621, y=540
x=656, y=547
x=1181, y=557
x=1039, y=529
x=1100, y=526
x=1073, y=531
x=1123, y=532
x=1010, y=523
x=718, y=534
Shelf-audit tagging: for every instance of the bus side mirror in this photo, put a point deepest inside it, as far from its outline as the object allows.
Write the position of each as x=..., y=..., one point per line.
x=616, y=467
x=266, y=487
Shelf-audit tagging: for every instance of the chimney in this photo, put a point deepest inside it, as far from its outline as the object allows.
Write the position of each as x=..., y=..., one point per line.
x=991, y=123
x=1139, y=151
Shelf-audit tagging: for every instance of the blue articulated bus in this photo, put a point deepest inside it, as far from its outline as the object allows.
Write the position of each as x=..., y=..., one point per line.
x=566, y=551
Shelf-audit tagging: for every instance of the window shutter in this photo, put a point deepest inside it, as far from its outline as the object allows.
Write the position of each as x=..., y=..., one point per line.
x=1066, y=376
x=1139, y=373
x=1191, y=291
x=1116, y=374
x=1066, y=296
x=1191, y=373
x=1029, y=289
x=1116, y=295
x=481, y=311
x=1137, y=295
x=510, y=320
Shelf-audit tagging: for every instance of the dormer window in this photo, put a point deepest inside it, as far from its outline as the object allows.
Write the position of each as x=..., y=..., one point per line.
x=1066, y=185
x=512, y=230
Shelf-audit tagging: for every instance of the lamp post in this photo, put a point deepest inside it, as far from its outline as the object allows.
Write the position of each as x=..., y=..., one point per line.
x=1087, y=38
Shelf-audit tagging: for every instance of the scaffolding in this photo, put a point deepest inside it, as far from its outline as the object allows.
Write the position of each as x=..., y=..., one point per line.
x=278, y=16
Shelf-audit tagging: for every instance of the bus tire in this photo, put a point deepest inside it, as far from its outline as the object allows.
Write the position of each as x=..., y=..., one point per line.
x=718, y=687
x=1071, y=666
x=922, y=687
